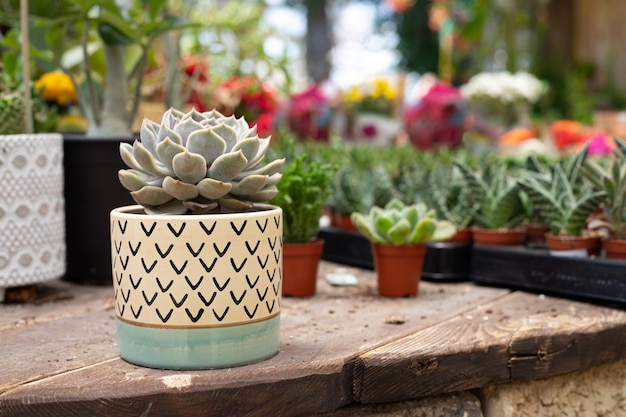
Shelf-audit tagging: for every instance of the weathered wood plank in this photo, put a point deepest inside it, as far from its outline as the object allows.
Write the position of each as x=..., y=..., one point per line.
x=320, y=337
x=521, y=336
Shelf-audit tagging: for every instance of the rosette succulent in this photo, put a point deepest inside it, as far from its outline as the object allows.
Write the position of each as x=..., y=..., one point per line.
x=198, y=162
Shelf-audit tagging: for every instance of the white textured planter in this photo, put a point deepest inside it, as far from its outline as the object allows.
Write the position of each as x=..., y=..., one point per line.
x=32, y=214
x=197, y=291
x=375, y=128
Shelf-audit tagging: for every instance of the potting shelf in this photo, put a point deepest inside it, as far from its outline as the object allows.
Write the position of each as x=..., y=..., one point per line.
x=344, y=345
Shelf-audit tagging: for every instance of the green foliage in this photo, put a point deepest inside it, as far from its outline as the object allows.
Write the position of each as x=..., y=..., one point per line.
x=495, y=194
x=449, y=196
x=608, y=175
x=302, y=191
x=562, y=196
x=401, y=224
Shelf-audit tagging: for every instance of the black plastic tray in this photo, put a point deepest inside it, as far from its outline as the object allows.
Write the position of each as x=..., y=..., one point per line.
x=537, y=270
x=442, y=262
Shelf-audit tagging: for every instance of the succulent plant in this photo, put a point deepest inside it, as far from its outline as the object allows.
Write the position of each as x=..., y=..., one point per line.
x=400, y=224
x=198, y=162
x=12, y=111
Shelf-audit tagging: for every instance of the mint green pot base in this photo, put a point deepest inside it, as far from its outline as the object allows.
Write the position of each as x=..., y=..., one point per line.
x=203, y=348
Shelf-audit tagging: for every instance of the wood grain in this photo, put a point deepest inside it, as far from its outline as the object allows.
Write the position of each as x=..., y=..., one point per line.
x=314, y=371
x=518, y=337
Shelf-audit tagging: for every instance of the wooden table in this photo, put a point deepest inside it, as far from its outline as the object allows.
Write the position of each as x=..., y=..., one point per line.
x=344, y=345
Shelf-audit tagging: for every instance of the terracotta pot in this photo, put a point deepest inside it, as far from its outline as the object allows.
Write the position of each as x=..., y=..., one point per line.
x=498, y=237
x=300, y=262
x=574, y=246
x=536, y=234
x=614, y=248
x=398, y=268
x=343, y=222
x=462, y=235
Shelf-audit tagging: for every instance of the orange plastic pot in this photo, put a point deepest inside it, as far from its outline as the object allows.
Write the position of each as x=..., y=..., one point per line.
x=300, y=264
x=498, y=237
x=614, y=248
x=398, y=268
x=574, y=245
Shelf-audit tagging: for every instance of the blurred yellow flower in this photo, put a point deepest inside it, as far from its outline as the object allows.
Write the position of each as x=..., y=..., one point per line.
x=56, y=86
x=376, y=96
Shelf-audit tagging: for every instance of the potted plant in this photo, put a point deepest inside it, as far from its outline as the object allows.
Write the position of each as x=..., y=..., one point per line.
x=104, y=46
x=398, y=234
x=496, y=196
x=355, y=189
x=451, y=200
x=566, y=200
x=609, y=175
x=32, y=238
x=303, y=189
x=197, y=266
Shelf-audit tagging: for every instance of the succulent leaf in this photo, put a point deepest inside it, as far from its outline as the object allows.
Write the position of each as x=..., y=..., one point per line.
x=213, y=189
x=151, y=196
x=180, y=190
x=189, y=167
x=250, y=185
x=206, y=143
x=167, y=150
x=146, y=160
x=227, y=166
x=131, y=180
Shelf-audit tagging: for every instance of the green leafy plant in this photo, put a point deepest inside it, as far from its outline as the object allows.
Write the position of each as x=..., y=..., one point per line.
x=608, y=175
x=400, y=224
x=198, y=162
x=104, y=45
x=302, y=191
x=562, y=196
x=495, y=194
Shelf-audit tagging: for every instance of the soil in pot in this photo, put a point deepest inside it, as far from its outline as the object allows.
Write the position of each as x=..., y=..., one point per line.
x=398, y=269
x=300, y=265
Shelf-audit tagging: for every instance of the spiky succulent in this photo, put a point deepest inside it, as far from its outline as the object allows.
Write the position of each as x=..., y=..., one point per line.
x=12, y=113
x=198, y=162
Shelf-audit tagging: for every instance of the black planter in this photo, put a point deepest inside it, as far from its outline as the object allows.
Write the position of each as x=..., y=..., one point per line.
x=447, y=261
x=92, y=190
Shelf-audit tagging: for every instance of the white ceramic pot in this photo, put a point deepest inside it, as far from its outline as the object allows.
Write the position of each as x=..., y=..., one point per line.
x=32, y=213
x=376, y=128
x=197, y=291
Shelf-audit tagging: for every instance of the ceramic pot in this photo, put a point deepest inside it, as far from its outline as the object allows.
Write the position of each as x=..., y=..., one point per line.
x=498, y=237
x=573, y=246
x=32, y=217
x=398, y=268
x=614, y=248
x=375, y=128
x=197, y=291
x=300, y=265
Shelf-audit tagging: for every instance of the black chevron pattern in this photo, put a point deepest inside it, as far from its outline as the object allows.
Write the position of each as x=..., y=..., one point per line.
x=227, y=273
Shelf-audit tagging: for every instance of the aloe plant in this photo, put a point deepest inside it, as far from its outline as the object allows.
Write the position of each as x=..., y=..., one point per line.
x=563, y=196
x=609, y=175
x=400, y=224
x=495, y=194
